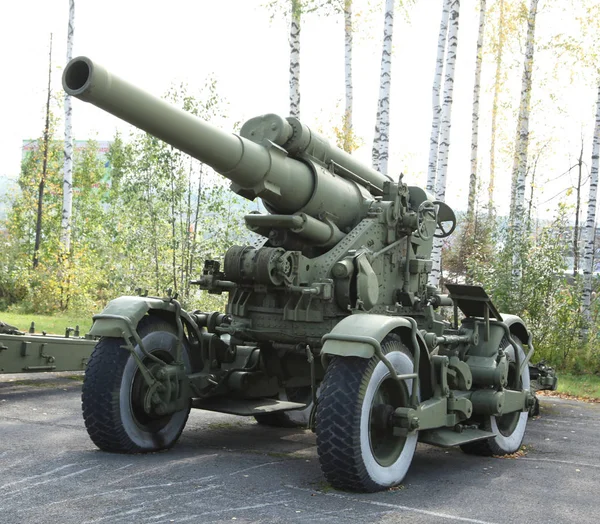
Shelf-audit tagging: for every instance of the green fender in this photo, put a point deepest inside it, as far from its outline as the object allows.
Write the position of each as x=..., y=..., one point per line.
x=123, y=314
x=517, y=327
x=488, y=349
x=363, y=326
x=358, y=327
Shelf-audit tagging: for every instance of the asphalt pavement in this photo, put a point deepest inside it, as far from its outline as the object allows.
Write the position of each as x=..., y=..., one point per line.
x=230, y=469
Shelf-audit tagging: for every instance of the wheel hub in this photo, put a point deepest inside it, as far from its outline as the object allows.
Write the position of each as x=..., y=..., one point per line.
x=385, y=445
x=155, y=402
x=381, y=416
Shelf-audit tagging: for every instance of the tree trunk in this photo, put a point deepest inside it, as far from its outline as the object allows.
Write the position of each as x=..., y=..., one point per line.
x=68, y=151
x=532, y=188
x=435, y=97
x=497, y=87
x=577, y=208
x=186, y=233
x=382, y=125
x=348, y=143
x=194, y=240
x=173, y=219
x=38, y=225
x=475, y=116
x=295, y=58
x=442, y=166
x=590, y=223
x=522, y=144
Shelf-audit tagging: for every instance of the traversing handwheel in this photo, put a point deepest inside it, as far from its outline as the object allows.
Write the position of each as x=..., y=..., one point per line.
x=446, y=220
x=426, y=219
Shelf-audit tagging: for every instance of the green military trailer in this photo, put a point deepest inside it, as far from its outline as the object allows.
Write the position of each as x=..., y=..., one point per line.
x=330, y=318
x=33, y=352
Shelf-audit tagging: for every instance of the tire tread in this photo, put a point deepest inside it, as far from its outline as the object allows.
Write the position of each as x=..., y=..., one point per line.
x=100, y=393
x=338, y=419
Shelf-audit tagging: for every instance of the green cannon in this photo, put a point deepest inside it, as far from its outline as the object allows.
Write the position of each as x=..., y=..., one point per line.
x=330, y=320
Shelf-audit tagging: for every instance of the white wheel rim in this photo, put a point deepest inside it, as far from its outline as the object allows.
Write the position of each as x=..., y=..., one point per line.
x=393, y=474
x=511, y=443
x=140, y=436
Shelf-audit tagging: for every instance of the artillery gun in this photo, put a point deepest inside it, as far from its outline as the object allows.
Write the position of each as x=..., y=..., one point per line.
x=329, y=314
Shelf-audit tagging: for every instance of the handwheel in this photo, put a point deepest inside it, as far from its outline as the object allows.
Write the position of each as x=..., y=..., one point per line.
x=426, y=219
x=446, y=220
x=355, y=441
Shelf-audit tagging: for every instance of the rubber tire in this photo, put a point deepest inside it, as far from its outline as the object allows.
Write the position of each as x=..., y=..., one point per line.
x=534, y=410
x=106, y=392
x=503, y=444
x=343, y=412
x=297, y=418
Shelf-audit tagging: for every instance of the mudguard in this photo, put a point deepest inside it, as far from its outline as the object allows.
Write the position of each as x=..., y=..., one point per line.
x=359, y=326
x=375, y=327
x=517, y=327
x=124, y=313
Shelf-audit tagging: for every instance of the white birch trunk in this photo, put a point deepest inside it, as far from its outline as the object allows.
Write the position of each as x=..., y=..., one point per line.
x=475, y=115
x=295, y=58
x=348, y=144
x=382, y=124
x=444, y=146
x=497, y=87
x=435, y=97
x=590, y=223
x=68, y=151
x=522, y=143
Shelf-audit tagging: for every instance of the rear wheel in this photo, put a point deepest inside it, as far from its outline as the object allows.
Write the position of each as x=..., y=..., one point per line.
x=355, y=441
x=508, y=429
x=114, y=391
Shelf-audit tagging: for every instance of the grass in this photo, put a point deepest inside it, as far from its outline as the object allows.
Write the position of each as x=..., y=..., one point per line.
x=579, y=385
x=55, y=324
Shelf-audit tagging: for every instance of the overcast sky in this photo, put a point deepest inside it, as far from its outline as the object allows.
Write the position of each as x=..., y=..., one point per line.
x=154, y=44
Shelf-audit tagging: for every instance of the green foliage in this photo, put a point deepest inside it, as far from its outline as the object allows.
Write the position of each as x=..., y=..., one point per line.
x=146, y=222
x=585, y=386
x=471, y=239
x=543, y=297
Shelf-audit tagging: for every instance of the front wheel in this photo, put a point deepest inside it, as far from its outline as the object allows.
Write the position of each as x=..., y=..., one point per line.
x=114, y=390
x=508, y=429
x=356, y=444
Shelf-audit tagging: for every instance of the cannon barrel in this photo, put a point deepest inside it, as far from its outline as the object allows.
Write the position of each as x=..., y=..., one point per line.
x=287, y=185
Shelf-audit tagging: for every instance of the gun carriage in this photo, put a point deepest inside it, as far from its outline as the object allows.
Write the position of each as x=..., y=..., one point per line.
x=330, y=319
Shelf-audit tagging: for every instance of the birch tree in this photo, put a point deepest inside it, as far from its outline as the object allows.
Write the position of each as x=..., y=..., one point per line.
x=475, y=115
x=590, y=223
x=345, y=137
x=40, y=204
x=495, y=103
x=577, y=210
x=522, y=142
x=348, y=142
x=380, y=152
x=444, y=146
x=68, y=152
x=435, y=97
x=296, y=13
